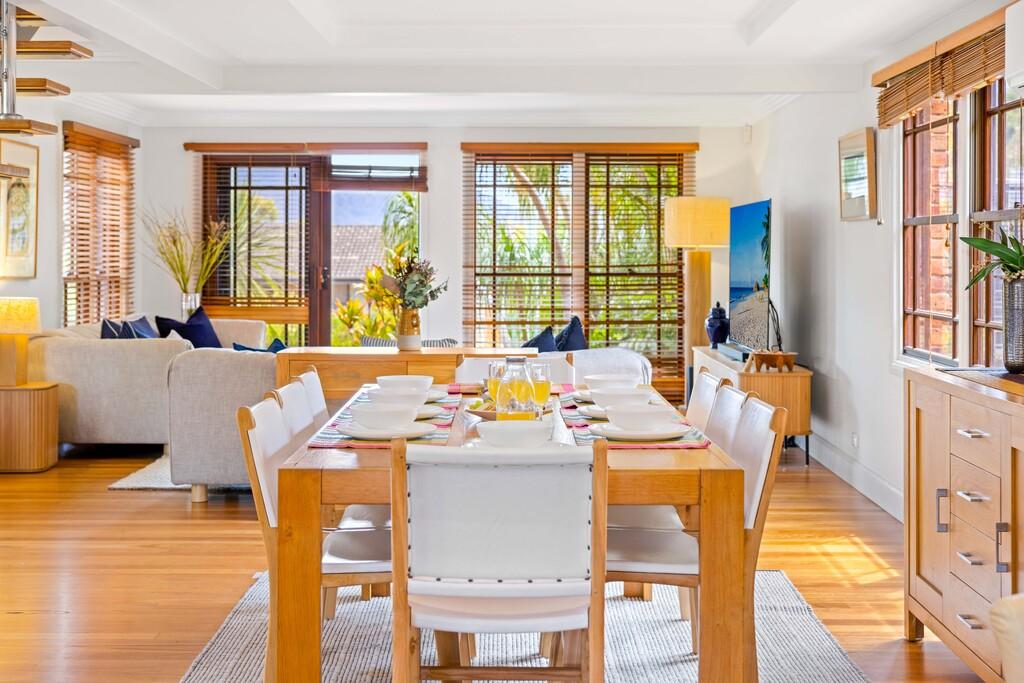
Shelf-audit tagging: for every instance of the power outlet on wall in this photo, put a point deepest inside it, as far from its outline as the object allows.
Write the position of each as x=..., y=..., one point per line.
x=855, y=440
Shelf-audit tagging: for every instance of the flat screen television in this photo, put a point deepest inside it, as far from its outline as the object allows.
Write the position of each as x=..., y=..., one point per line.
x=750, y=232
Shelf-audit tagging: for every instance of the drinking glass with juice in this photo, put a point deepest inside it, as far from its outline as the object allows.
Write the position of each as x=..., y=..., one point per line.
x=541, y=384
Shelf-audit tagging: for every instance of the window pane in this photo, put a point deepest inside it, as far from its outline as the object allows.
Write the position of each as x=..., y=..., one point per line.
x=941, y=338
x=1012, y=150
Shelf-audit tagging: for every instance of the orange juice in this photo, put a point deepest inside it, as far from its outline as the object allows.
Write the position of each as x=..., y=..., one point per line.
x=519, y=415
x=492, y=387
x=541, y=391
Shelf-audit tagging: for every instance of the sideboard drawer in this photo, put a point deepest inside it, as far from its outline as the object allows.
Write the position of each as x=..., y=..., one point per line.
x=976, y=433
x=972, y=557
x=974, y=495
x=965, y=614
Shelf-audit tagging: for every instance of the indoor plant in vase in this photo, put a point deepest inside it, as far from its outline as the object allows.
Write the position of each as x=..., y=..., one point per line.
x=190, y=260
x=1007, y=256
x=411, y=280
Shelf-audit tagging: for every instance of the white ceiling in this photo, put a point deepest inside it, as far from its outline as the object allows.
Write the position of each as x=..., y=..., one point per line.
x=472, y=62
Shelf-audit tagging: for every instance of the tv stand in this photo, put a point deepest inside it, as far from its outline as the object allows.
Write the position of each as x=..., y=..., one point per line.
x=782, y=388
x=733, y=351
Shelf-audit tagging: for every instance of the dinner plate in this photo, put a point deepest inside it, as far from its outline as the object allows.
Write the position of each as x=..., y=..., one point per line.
x=426, y=412
x=610, y=431
x=411, y=431
x=435, y=395
x=594, y=411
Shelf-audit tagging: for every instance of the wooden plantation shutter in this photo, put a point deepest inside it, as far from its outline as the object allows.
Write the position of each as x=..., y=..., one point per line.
x=99, y=224
x=266, y=199
x=634, y=283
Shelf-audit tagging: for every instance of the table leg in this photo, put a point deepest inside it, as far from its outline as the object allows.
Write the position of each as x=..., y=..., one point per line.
x=449, y=652
x=723, y=611
x=298, y=576
x=807, y=450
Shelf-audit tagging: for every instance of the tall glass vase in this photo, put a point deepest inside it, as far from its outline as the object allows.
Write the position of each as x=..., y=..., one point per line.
x=189, y=304
x=1013, y=325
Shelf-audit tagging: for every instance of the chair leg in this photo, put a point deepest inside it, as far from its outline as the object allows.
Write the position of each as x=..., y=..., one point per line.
x=644, y=591
x=694, y=600
x=330, y=597
x=380, y=590
x=414, y=655
x=585, y=656
x=684, y=603
x=572, y=644
x=594, y=650
x=199, y=493
x=448, y=650
x=547, y=641
x=365, y=592
x=466, y=648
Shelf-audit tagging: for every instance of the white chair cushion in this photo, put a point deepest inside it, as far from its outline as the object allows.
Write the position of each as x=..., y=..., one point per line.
x=350, y=551
x=366, y=517
x=644, y=517
x=500, y=615
x=652, y=552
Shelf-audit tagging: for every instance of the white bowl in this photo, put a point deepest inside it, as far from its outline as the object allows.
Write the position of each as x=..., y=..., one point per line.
x=641, y=418
x=514, y=433
x=611, y=381
x=382, y=415
x=620, y=397
x=418, y=382
x=415, y=396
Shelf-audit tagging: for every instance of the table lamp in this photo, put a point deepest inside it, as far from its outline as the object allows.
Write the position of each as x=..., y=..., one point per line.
x=19, y=317
x=696, y=224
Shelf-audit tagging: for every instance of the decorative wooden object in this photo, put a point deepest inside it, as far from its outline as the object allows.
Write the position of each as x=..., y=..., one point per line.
x=343, y=370
x=28, y=427
x=763, y=360
x=963, y=475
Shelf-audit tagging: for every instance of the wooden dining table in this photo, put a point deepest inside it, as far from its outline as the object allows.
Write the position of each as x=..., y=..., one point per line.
x=703, y=483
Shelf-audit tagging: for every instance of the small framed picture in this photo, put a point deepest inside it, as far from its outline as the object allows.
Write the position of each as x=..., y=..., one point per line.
x=857, y=191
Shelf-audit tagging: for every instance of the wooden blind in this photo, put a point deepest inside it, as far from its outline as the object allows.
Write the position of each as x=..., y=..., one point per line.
x=964, y=68
x=551, y=235
x=266, y=199
x=99, y=225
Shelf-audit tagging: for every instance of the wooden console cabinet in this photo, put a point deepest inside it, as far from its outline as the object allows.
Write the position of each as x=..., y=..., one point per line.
x=964, y=469
x=28, y=427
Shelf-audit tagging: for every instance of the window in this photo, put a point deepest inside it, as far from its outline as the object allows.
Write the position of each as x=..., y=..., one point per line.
x=551, y=235
x=1001, y=172
x=929, y=231
x=266, y=201
x=99, y=224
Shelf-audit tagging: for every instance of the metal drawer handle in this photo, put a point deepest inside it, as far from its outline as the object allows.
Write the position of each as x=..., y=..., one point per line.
x=972, y=497
x=972, y=433
x=1001, y=567
x=969, y=558
x=970, y=622
x=940, y=527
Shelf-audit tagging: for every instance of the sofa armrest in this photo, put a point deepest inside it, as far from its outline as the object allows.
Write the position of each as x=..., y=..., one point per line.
x=251, y=333
x=206, y=389
x=111, y=390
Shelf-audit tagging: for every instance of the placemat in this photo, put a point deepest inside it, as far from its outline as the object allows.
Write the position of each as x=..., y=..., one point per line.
x=580, y=427
x=333, y=435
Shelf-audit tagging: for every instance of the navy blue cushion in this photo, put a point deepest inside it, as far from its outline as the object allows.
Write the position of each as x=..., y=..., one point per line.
x=543, y=342
x=197, y=329
x=572, y=337
x=275, y=346
x=137, y=329
x=110, y=329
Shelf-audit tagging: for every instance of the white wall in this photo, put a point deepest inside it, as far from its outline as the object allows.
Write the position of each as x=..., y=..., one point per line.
x=47, y=284
x=169, y=180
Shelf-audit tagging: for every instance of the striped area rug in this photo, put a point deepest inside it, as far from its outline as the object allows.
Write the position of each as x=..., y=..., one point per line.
x=646, y=641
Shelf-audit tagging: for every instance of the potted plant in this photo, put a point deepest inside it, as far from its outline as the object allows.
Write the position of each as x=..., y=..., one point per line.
x=1007, y=256
x=411, y=281
x=189, y=259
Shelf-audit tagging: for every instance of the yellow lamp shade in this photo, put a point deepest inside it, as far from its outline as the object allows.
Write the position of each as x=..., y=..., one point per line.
x=697, y=222
x=19, y=315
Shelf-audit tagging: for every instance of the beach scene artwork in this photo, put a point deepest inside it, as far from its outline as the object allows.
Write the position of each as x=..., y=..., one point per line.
x=749, y=259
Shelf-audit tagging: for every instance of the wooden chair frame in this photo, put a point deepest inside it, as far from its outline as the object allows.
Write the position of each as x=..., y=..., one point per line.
x=579, y=655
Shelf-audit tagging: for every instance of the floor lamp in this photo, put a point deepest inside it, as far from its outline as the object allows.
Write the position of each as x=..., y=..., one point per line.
x=19, y=317
x=697, y=225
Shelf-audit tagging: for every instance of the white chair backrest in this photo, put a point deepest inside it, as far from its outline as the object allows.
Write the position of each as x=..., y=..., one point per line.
x=315, y=396
x=698, y=408
x=295, y=406
x=499, y=522
x=559, y=370
x=725, y=415
x=752, y=447
x=474, y=370
x=271, y=443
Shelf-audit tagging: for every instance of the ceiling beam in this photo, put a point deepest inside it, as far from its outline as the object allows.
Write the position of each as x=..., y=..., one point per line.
x=761, y=18
x=317, y=13
x=115, y=27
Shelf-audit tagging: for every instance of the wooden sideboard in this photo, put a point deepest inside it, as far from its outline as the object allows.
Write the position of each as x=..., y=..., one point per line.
x=343, y=370
x=963, y=471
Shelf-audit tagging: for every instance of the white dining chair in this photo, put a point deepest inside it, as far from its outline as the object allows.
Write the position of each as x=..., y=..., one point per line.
x=673, y=557
x=315, y=394
x=725, y=416
x=350, y=557
x=298, y=415
x=476, y=551
x=702, y=398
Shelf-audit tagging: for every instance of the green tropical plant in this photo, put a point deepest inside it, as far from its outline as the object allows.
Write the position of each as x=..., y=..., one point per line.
x=1005, y=254
x=401, y=224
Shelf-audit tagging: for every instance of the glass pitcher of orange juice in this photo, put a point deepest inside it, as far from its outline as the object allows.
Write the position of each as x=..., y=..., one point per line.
x=515, y=398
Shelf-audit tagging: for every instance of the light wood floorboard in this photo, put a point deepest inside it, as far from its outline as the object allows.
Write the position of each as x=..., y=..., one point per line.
x=112, y=586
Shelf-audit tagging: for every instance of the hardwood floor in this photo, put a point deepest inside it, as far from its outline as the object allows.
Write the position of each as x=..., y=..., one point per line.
x=112, y=586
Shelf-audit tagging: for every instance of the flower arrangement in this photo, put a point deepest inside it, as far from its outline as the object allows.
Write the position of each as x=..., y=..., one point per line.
x=411, y=280
x=1005, y=254
x=189, y=259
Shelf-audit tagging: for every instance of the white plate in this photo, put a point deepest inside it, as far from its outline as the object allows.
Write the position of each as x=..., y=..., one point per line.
x=436, y=395
x=594, y=411
x=583, y=395
x=610, y=431
x=413, y=431
x=427, y=412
